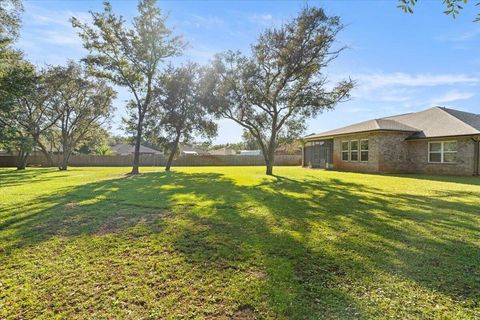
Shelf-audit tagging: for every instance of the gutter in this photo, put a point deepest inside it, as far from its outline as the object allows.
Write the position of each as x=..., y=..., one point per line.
x=338, y=135
x=443, y=137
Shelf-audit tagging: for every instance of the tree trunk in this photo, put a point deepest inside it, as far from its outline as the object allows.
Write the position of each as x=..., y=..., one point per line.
x=172, y=153
x=47, y=154
x=269, y=159
x=138, y=140
x=269, y=155
x=269, y=170
x=22, y=160
x=64, y=164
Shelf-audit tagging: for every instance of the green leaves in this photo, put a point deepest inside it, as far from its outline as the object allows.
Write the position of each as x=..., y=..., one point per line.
x=10, y=12
x=129, y=57
x=84, y=106
x=453, y=7
x=178, y=110
x=17, y=81
x=274, y=90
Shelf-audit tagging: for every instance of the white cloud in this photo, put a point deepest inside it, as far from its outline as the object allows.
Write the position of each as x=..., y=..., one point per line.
x=407, y=91
x=40, y=19
x=453, y=95
x=51, y=27
x=462, y=37
x=62, y=38
x=206, y=21
x=60, y=18
x=263, y=19
x=201, y=53
x=393, y=98
x=357, y=109
x=378, y=80
x=394, y=94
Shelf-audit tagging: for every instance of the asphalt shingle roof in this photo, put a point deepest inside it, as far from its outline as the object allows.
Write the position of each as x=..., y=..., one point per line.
x=433, y=122
x=471, y=119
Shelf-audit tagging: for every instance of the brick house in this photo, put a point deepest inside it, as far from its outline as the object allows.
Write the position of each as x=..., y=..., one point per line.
x=434, y=141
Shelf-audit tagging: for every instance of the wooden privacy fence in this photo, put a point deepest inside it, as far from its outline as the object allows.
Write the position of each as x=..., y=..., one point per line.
x=158, y=160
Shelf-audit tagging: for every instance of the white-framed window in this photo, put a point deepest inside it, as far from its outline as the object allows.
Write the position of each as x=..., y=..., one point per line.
x=364, y=150
x=345, y=150
x=442, y=151
x=354, y=150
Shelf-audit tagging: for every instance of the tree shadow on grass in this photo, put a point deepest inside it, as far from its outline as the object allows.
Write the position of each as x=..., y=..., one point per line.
x=12, y=177
x=308, y=246
x=468, y=180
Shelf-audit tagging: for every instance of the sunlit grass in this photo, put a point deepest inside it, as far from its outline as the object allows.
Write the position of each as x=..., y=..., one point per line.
x=229, y=242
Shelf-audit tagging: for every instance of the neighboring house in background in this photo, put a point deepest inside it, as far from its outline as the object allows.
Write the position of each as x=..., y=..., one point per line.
x=293, y=148
x=189, y=149
x=123, y=149
x=223, y=152
x=189, y=153
x=435, y=141
x=250, y=152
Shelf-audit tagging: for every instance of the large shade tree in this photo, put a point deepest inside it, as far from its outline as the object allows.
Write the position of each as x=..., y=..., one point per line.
x=178, y=113
x=272, y=92
x=130, y=57
x=15, y=72
x=34, y=112
x=17, y=81
x=84, y=104
x=18, y=141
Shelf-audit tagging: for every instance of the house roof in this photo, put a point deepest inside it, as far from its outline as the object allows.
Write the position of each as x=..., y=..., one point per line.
x=223, y=151
x=430, y=123
x=189, y=152
x=123, y=148
x=188, y=148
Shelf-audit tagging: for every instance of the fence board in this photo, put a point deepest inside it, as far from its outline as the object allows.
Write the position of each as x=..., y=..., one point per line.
x=158, y=160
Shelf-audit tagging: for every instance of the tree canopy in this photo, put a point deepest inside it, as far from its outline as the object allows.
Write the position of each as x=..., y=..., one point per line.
x=178, y=113
x=10, y=19
x=130, y=56
x=85, y=104
x=282, y=83
x=17, y=81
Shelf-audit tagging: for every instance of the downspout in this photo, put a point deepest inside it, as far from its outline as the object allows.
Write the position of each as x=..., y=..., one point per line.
x=303, y=153
x=478, y=157
x=476, y=154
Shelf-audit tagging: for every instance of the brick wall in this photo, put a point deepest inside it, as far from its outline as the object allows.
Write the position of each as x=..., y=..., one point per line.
x=390, y=153
x=394, y=153
x=418, y=153
x=373, y=157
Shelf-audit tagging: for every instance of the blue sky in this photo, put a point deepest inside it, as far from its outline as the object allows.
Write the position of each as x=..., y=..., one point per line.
x=401, y=63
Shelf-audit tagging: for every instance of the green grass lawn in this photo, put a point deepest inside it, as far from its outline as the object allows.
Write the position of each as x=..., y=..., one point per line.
x=228, y=242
